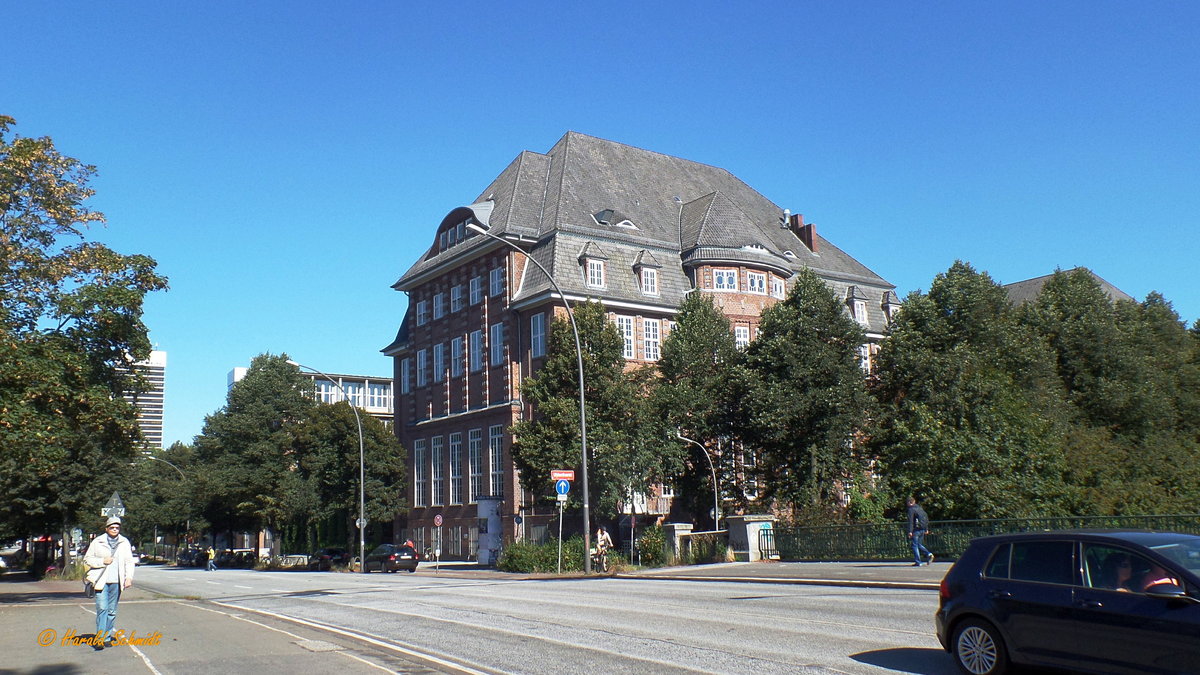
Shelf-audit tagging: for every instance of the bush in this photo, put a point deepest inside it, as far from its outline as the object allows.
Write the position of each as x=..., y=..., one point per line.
x=525, y=557
x=653, y=547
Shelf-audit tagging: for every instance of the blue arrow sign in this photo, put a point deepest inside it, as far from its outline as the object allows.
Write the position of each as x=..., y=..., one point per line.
x=562, y=487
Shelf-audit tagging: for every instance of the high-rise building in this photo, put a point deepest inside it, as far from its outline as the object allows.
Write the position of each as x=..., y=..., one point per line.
x=149, y=403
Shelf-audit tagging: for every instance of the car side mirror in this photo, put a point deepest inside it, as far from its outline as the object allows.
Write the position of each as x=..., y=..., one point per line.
x=1169, y=591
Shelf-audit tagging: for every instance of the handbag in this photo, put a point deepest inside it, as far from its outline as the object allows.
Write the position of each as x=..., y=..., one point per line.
x=89, y=589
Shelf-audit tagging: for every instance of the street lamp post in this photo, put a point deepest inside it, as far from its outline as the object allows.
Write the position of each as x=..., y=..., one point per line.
x=713, y=469
x=188, y=526
x=587, y=524
x=362, y=472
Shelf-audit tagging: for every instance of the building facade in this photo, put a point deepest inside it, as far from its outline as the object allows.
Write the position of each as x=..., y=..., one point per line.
x=368, y=393
x=633, y=229
x=149, y=403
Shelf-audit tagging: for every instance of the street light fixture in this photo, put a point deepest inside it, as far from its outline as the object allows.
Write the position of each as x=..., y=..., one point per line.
x=362, y=498
x=713, y=469
x=587, y=524
x=188, y=524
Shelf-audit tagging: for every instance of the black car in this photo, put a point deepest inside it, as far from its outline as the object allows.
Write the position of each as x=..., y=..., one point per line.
x=325, y=558
x=1086, y=601
x=392, y=557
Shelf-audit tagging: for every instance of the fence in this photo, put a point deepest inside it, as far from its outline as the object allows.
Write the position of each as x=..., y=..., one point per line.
x=946, y=538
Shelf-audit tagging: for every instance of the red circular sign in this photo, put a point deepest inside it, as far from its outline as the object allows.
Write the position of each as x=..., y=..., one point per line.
x=437, y=520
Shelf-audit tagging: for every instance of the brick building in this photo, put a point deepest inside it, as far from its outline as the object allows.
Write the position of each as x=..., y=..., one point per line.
x=633, y=229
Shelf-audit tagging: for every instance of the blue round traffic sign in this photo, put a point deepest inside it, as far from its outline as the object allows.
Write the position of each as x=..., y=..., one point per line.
x=562, y=487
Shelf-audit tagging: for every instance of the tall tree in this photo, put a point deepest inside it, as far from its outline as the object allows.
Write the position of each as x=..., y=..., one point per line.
x=326, y=451
x=247, y=446
x=627, y=448
x=972, y=418
x=701, y=384
x=70, y=322
x=807, y=401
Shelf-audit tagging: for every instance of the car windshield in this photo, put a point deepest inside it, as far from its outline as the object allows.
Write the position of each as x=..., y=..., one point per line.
x=1186, y=552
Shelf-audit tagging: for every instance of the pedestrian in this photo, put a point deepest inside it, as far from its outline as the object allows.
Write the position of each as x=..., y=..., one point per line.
x=110, y=570
x=212, y=560
x=918, y=525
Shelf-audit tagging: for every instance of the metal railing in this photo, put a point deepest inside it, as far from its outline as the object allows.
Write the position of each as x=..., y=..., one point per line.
x=946, y=538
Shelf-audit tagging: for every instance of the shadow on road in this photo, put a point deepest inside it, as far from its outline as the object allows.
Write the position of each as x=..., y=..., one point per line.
x=910, y=660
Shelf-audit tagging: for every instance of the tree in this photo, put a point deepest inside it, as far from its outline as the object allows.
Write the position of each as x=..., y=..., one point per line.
x=807, y=400
x=70, y=327
x=326, y=452
x=247, y=446
x=627, y=450
x=971, y=411
x=701, y=384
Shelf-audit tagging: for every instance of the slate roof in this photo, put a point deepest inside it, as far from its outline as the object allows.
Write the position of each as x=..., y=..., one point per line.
x=1020, y=292
x=683, y=213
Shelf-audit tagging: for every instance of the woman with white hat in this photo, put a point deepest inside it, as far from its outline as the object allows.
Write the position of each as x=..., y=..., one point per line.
x=110, y=561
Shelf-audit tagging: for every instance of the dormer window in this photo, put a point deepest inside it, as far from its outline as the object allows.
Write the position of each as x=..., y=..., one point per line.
x=603, y=217
x=860, y=311
x=856, y=302
x=595, y=273
x=649, y=281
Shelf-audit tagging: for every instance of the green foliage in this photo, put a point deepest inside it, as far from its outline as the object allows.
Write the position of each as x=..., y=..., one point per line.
x=702, y=382
x=971, y=417
x=70, y=320
x=806, y=400
x=627, y=447
x=523, y=556
x=652, y=547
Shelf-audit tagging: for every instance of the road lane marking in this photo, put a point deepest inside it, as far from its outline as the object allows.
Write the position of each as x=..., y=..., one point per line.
x=279, y=590
x=245, y=587
x=364, y=637
x=146, y=660
x=359, y=658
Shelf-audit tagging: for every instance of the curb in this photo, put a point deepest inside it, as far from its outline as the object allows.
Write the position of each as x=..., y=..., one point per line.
x=849, y=583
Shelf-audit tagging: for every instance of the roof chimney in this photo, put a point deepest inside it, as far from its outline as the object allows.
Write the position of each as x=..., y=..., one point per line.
x=806, y=233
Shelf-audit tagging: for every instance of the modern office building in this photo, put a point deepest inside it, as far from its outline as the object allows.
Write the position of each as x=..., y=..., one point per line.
x=369, y=393
x=633, y=229
x=149, y=403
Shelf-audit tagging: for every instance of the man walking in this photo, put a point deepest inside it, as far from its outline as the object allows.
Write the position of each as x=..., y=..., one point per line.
x=918, y=525
x=212, y=560
x=110, y=570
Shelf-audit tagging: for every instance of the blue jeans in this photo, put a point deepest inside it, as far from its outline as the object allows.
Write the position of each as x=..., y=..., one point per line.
x=106, y=608
x=919, y=548
x=212, y=565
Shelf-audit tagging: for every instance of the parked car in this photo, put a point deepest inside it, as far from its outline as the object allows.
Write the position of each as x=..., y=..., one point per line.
x=1087, y=601
x=325, y=558
x=392, y=557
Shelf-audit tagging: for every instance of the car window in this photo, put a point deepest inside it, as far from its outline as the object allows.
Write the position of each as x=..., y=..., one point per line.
x=385, y=548
x=1185, y=552
x=1049, y=562
x=1114, y=568
x=998, y=567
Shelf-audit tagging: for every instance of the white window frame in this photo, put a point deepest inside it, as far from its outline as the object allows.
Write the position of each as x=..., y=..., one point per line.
x=625, y=328
x=595, y=273
x=422, y=366
x=725, y=280
x=476, y=290
x=456, y=472
x=406, y=375
x=651, y=339
x=864, y=358
x=496, y=453
x=496, y=343
x=756, y=282
x=439, y=362
x=649, y=281
x=741, y=336
x=436, y=446
x=474, y=464
x=778, y=288
x=379, y=395
x=420, y=473
x=439, y=305
x=476, y=351
x=422, y=312
x=860, y=311
x=456, y=298
x=456, y=357
x=537, y=335
x=496, y=282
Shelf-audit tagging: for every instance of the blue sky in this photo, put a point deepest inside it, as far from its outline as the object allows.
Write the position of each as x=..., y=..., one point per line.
x=285, y=162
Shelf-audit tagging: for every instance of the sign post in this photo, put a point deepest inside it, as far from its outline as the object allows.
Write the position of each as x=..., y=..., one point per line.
x=562, y=486
x=437, y=550
x=114, y=507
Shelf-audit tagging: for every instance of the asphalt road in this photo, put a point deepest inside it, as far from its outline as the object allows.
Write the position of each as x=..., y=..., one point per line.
x=495, y=623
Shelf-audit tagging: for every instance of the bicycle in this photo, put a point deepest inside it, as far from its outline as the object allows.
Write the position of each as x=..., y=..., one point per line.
x=600, y=559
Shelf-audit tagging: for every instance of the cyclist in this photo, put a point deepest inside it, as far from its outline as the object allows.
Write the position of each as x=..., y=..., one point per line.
x=603, y=544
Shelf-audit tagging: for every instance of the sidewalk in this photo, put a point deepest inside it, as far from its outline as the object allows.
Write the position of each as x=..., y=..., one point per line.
x=43, y=625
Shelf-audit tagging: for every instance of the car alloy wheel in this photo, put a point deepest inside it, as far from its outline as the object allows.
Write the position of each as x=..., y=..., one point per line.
x=978, y=649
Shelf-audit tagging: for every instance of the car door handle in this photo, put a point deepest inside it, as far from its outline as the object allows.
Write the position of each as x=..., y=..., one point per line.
x=999, y=595
x=1089, y=604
